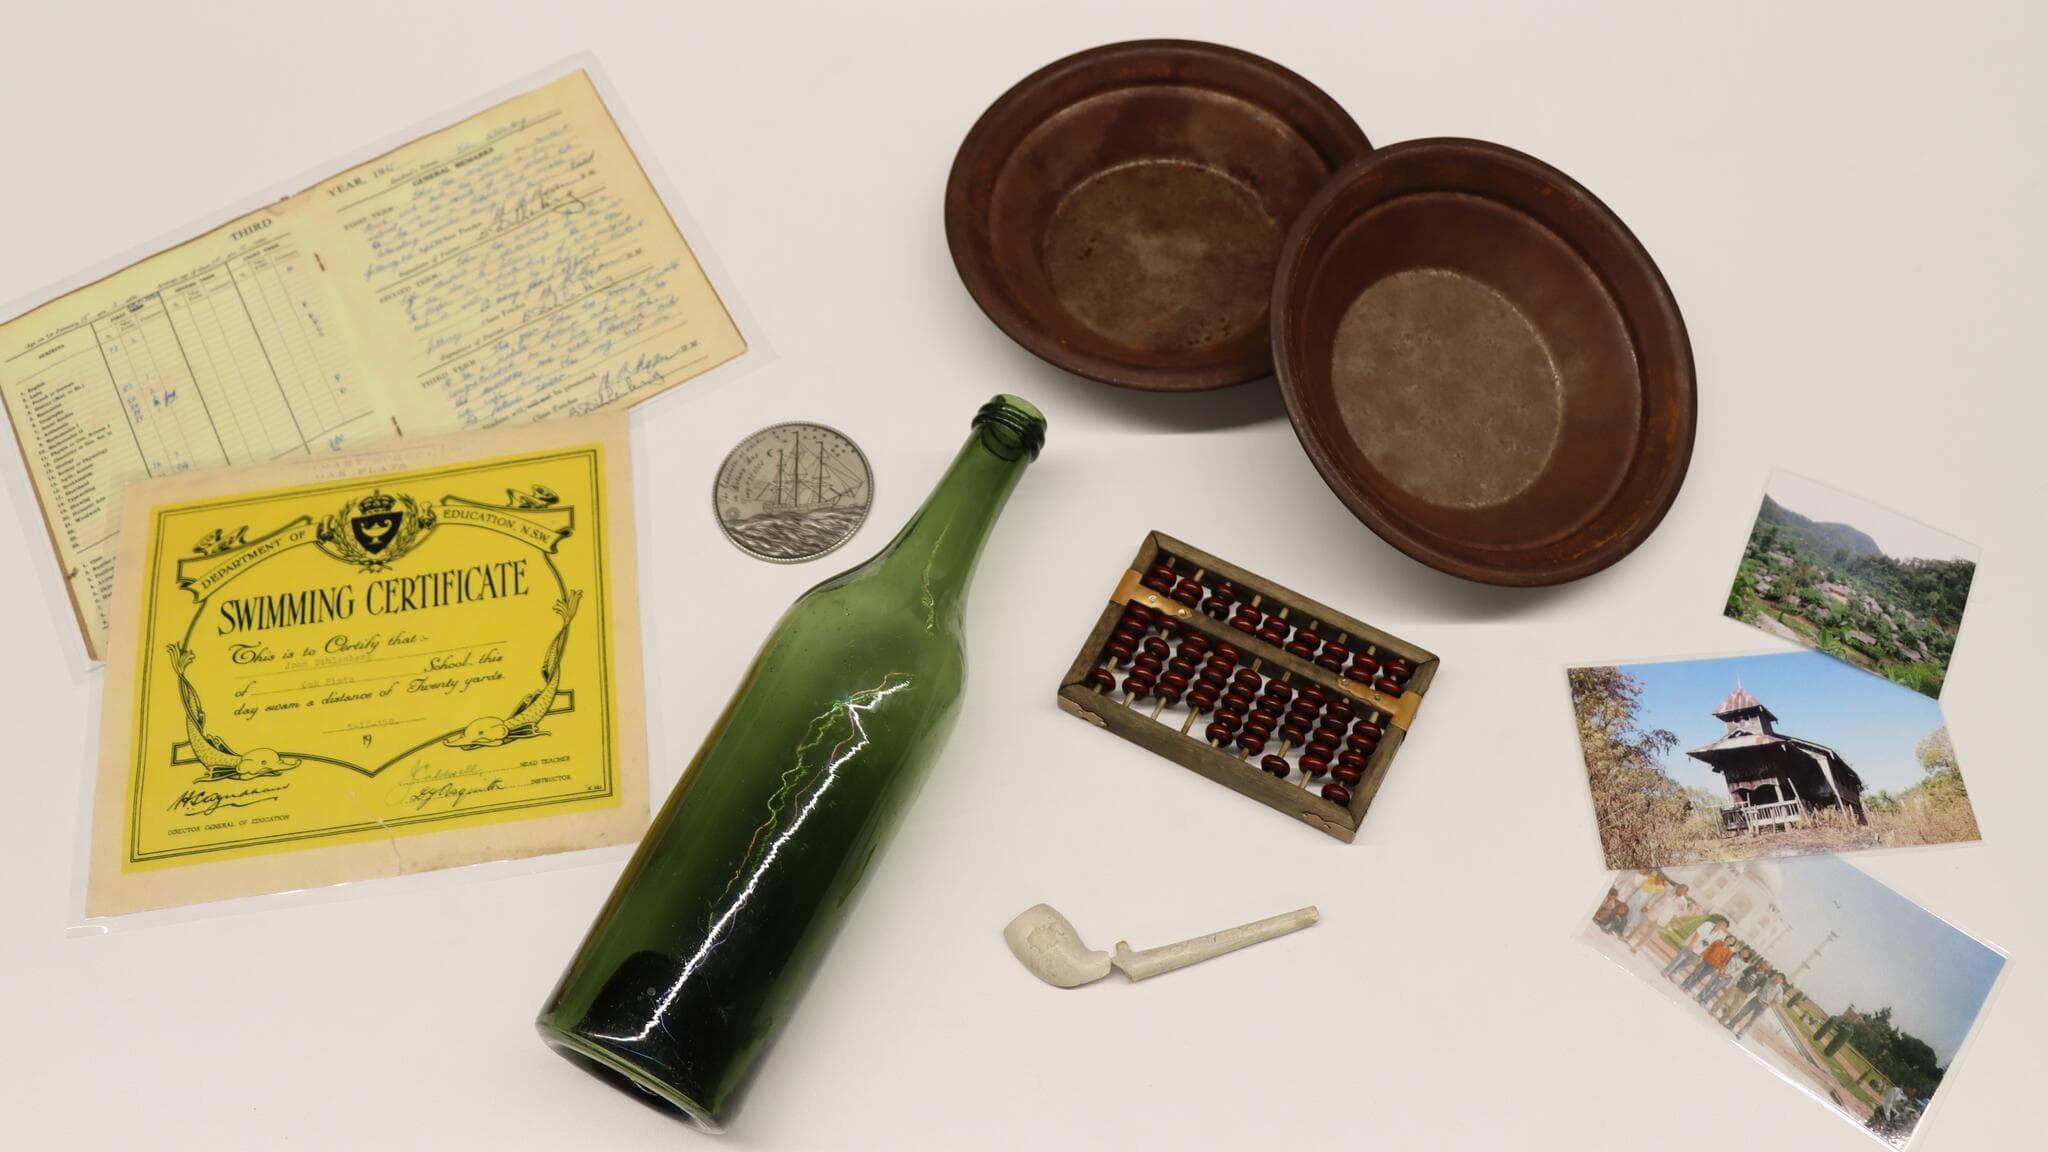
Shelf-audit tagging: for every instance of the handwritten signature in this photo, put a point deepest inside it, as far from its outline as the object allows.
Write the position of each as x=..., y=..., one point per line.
x=205, y=801
x=644, y=372
x=539, y=202
x=449, y=792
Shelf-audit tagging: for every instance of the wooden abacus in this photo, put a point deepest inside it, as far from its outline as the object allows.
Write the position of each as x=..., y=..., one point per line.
x=1306, y=706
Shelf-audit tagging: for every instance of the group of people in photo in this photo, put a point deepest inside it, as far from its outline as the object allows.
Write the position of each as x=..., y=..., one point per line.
x=1727, y=976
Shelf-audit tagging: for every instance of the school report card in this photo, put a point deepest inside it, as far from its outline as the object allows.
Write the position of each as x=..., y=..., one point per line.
x=514, y=267
x=371, y=664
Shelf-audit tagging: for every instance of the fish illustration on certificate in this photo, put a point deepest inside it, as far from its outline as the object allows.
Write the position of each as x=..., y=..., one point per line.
x=364, y=666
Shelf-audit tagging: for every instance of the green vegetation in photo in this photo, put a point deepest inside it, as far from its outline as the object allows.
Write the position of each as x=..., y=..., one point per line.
x=1838, y=592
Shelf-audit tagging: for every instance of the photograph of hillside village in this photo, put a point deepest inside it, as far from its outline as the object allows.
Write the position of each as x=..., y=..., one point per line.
x=1847, y=989
x=1781, y=754
x=1839, y=574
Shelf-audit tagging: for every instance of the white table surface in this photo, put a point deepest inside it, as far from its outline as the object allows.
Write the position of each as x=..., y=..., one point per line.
x=1847, y=203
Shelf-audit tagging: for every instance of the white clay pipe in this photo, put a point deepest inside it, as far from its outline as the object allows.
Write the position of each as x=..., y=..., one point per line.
x=1046, y=944
x=1167, y=957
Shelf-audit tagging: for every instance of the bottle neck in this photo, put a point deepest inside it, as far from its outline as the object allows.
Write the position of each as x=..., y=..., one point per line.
x=933, y=557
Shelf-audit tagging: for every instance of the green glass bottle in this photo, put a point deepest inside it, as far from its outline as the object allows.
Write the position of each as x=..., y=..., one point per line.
x=721, y=917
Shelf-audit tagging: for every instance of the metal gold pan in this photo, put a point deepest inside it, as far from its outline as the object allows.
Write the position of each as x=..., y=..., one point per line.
x=1120, y=212
x=1484, y=364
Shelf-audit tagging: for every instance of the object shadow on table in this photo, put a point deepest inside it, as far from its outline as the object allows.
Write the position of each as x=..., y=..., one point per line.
x=1238, y=406
x=1443, y=599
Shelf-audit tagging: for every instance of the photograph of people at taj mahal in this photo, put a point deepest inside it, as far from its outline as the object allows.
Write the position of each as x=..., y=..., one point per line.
x=1842, y=986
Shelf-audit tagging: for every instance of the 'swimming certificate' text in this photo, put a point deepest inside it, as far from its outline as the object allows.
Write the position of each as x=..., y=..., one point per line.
x=367, y=665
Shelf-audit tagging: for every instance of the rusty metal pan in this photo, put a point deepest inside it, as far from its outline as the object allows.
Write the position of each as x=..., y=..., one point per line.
x=1482, y=361
x=1120, y=212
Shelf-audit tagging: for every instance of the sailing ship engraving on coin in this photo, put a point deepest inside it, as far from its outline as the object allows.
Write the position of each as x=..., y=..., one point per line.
x=793, y=492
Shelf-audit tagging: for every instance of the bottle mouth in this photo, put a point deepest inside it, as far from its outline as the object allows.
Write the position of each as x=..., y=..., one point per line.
x=1016, y=422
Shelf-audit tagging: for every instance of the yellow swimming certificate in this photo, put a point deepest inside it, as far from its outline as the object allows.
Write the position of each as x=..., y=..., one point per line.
x=368, y=665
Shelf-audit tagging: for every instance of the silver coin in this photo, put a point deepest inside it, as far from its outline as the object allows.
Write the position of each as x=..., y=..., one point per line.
x=793, y=492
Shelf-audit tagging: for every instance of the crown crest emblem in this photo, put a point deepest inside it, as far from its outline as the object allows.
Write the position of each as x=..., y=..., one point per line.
x=375, y=530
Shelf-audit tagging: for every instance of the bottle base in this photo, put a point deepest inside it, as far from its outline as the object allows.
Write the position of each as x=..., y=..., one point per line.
x=624, y=1074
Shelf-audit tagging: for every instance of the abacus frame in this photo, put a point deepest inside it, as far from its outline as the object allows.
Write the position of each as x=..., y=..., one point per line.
x=1243, y=775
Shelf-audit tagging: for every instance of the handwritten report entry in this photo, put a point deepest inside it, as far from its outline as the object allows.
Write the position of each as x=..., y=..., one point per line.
x=514, y=267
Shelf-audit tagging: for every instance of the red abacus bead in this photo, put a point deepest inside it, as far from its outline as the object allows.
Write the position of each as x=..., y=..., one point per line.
x=1346, y=774
x=1101, y=680
x=1387, y=685
x=1279, y=691
x=1201, y=701
x=1367, y=729
x=1182, y=665
x=1239, y=701
x=1225, y=714
x=1248, y=627
x=1274, y=633
x=1362, y=747
x=1302, y=648
x=1277, y=765
x=1188, y=592
x=1214, y=678
x=1177, y=681
x=1360, y=675
x=1314, y=766
x=1339, y=710
x=1168, y=626
x=1366, y=664
x=1120, y=648
x=1333, y=656
x=1216, y=607
x=1157, y=646
x=1356, y=761
x=1149, y=664
x=1220, y=733
x=1138, y=613
x=1257, y=731
x=1228, y=652
x=1313, y=695
x=1294, y=733
x=1336, y=793
x=1322, y=752
x=1252, y=742
x=1398, y=669
x=1194, y=644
